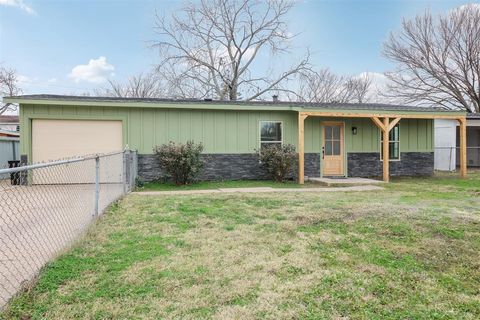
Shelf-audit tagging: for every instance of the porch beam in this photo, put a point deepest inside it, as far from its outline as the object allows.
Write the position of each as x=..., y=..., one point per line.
x=301, y=147
x=463, y=147
x=386, y=155
x=380, y=115
x=378, y=123
x=394, y=123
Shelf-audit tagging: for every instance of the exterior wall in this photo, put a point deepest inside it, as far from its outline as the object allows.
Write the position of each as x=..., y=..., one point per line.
x=362, y=151
x=226, y=133
x=222, y=131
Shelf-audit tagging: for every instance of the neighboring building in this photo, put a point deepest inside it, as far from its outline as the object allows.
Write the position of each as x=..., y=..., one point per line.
x=332, y=139
x=9, y=139
x=447, y=143
x=9, y=123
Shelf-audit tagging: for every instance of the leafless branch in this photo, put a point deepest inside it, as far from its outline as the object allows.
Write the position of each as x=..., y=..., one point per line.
x=438, y=60
x=209, y=48
x=325, y=86
x=8, y=87
x=137, y=86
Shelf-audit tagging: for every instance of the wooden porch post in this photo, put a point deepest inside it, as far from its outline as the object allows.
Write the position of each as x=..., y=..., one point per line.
x=463, y=147
x=385, y=126
x=301, y=147
x=386, y=153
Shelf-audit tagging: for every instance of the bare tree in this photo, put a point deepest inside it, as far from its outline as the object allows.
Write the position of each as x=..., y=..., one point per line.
x=209, y=48
x=137, y=86
x=438, y=60
x=8, y=87
x=359, y=88
x=326, y=86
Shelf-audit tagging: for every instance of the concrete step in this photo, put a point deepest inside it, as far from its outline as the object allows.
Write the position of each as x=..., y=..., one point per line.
x=342, y=182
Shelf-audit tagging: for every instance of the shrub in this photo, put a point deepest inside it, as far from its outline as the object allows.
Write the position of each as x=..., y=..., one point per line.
x=278, y=160
x=180, y=161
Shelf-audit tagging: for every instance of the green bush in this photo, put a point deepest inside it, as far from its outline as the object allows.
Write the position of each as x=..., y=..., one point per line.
x=279, y=161
x=180, y=162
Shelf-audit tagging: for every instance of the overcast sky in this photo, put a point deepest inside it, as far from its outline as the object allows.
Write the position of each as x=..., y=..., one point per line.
x=70, y=47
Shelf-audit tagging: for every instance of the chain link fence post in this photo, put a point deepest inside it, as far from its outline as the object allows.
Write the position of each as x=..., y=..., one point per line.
x=97, y=184
x=126, y=171
x=133, y=180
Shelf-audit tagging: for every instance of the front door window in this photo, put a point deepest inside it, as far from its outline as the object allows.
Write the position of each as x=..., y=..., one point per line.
x=333, y=157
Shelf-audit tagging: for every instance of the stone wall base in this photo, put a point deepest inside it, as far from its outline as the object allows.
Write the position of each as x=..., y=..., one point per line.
x=245, y=166
x=368, y=164
x=234, y=166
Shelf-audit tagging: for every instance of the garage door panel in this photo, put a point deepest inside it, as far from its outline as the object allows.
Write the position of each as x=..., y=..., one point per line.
x=56, y=139
x=59, y=139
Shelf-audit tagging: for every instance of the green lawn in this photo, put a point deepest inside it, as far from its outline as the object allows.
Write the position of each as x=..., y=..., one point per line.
x=409, y=252
x=203, y=185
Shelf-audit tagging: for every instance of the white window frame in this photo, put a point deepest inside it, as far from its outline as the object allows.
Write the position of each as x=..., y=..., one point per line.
x=397, y=141
x=260, y=133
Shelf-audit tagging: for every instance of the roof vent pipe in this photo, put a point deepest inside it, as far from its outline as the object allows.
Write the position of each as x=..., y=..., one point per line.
x=275, y=98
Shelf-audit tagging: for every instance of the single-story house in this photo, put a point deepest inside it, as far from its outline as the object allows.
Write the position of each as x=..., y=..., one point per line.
x=332, y=139
x=447, y=143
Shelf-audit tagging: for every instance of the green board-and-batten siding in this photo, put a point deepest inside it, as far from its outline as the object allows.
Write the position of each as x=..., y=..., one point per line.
x=223, y=131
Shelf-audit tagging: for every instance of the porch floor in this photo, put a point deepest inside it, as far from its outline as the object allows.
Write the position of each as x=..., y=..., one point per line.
x=337, y=182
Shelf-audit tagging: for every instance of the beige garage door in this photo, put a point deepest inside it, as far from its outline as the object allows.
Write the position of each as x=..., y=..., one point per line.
x=56, y=139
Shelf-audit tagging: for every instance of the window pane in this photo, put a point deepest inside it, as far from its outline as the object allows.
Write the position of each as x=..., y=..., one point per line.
x=336, y=133
x=394, y=134
x=394, y=150
x=271, y=131
x=336, y=148
x=391, y=150
x=328, y=133
x=328, y=148
x=394, y=143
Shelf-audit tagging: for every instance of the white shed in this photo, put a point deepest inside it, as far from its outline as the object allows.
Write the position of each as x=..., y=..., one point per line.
x=445, y=144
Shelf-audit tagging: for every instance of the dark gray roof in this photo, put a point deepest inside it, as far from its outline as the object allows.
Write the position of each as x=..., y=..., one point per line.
x=473, y=115
x=347, y=106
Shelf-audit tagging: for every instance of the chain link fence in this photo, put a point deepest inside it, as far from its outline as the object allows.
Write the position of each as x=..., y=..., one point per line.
x=448, y=158
x=44, y=207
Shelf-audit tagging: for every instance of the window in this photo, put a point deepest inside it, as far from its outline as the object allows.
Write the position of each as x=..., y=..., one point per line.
x=394, y=144
x=333, y=140
x=270, y=133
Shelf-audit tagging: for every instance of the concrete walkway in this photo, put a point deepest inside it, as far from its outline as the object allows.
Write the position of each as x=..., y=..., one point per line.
x=256, y=190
